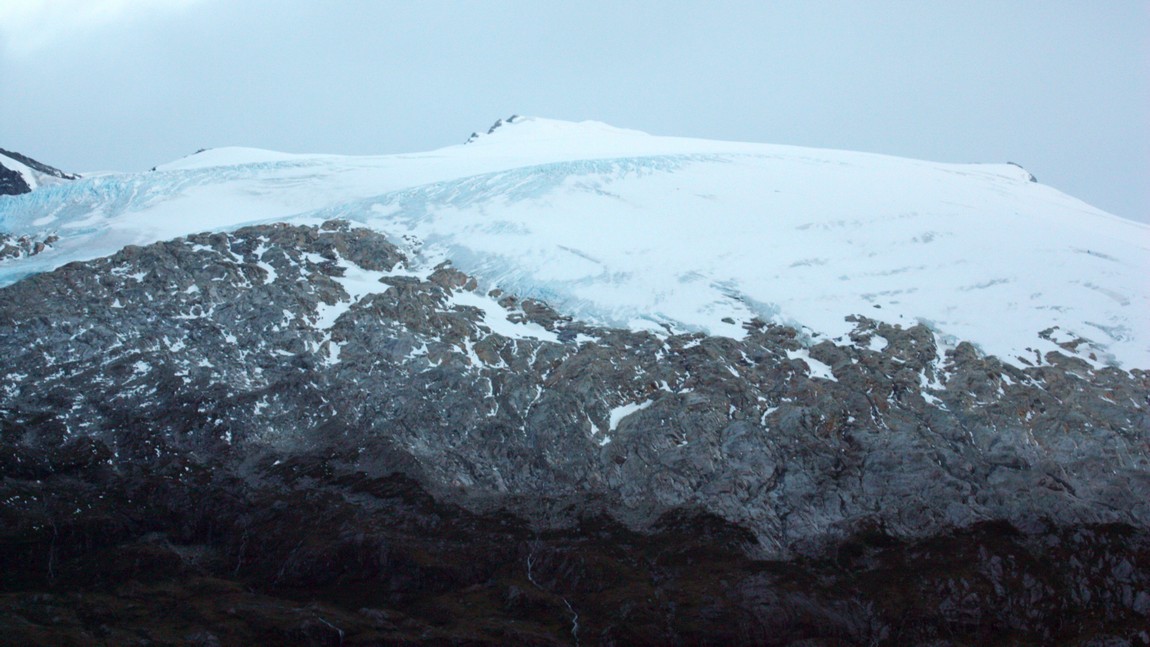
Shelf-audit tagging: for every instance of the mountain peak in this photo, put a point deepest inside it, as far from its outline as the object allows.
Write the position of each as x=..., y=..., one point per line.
x=521, y=129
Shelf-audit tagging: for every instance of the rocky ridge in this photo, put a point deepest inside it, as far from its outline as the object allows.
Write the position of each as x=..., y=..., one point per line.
x=278, y=365
x=12, y=182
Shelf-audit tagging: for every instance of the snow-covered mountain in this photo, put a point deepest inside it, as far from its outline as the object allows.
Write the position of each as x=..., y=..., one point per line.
x=570, y=384
x=627, y=229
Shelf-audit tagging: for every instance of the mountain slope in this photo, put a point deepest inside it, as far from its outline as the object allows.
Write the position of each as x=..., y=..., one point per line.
x=281, y=336
x=661, y=406
x=21, y=174
x=246, y=419
x=626, y=229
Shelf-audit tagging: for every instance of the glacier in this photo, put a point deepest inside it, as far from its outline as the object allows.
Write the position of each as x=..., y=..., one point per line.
x=626, y=229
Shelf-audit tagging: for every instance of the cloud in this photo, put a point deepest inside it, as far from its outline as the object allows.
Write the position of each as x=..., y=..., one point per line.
x=31, y=26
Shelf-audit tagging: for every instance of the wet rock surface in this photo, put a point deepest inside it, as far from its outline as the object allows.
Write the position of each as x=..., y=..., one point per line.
x=308, y=427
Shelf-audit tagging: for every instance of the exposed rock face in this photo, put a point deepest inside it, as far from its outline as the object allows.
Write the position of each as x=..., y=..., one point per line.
x=224, y=390
x=11, y=182
x=12, y=247
x=499, y=123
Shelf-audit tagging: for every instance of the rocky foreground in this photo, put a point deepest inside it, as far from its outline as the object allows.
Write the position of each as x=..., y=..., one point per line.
x=301, y=435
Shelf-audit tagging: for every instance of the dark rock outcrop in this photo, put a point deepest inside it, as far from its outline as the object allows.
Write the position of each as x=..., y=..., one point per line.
x=19, y=246
x=11, y=182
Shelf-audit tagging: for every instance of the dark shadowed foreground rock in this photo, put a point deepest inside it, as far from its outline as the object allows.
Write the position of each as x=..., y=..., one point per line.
x=317, y=554
x=300, y=435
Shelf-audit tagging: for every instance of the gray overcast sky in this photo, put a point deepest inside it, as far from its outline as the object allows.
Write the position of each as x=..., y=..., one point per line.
x=1062, y=88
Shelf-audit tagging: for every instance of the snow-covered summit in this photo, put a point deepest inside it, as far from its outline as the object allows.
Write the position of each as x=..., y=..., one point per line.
x=535, y=132
x=228, y=156
x=630, y=229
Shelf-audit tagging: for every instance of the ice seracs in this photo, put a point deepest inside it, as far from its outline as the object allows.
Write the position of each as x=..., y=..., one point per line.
x=624, y=228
